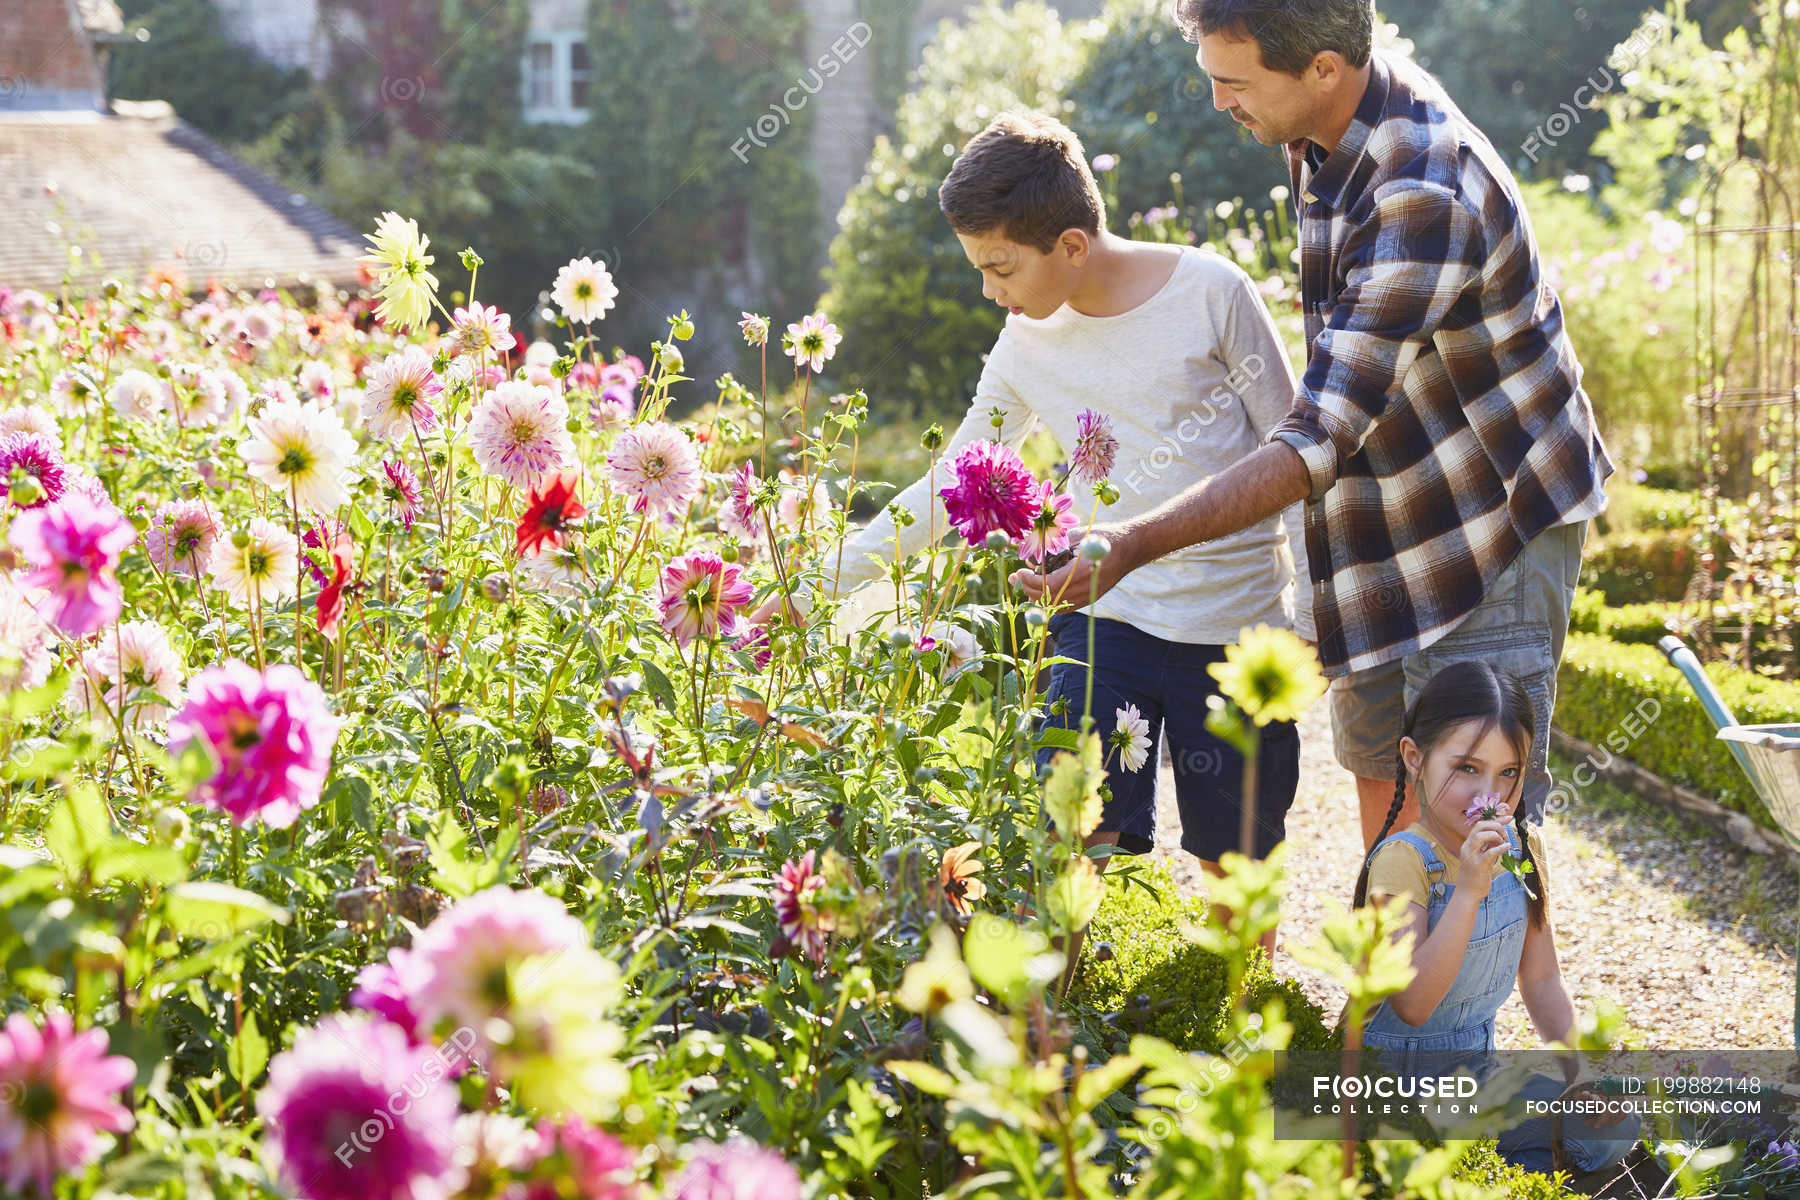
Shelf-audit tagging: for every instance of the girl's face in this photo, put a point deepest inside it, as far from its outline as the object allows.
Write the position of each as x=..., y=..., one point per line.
x=1464, y=765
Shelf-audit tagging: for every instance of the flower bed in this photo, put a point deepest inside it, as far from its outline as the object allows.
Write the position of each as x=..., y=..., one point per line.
x=399, y=798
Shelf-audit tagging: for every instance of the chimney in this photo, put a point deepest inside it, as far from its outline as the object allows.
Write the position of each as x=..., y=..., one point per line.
x=52, y=56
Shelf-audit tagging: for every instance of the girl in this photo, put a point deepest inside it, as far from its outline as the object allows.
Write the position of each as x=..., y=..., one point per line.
x=1477, y=928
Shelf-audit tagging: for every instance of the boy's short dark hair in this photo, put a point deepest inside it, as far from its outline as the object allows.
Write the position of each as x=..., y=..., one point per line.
x=1026, y=177
x=1290, y=33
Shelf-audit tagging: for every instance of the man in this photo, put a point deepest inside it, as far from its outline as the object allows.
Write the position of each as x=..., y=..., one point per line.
x=1447, y=455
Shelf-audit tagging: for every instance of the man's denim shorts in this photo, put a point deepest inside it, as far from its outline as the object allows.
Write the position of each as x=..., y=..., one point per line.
x=1519, y=626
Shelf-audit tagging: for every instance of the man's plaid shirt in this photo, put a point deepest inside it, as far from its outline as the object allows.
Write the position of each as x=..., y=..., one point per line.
x=1441, y=414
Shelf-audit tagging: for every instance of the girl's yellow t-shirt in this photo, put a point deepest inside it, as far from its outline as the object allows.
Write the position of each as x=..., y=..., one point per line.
x=1399, y=868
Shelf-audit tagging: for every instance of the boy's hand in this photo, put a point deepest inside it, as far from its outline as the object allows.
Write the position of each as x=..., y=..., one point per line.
x=765, y=612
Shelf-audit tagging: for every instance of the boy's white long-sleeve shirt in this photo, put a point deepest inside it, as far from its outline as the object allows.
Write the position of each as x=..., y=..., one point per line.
x=1194, y=378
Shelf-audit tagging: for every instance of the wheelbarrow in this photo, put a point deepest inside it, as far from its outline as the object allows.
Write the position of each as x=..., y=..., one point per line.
x=1769, y=755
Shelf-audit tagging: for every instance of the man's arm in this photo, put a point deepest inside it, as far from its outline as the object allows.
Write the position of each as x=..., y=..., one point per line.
x=1253, y=489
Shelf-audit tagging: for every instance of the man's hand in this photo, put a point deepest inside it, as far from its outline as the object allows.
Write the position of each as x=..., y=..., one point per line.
x=1079, y=582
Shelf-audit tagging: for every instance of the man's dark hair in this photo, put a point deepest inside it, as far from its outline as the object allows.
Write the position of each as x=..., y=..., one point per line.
x=1026, y=177
x=1290, y=33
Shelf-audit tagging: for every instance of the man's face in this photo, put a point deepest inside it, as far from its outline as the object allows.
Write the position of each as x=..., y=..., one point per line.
x=1023, y=279
x=1273, y=105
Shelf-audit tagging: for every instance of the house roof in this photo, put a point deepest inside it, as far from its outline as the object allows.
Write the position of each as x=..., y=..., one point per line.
x=142, y=190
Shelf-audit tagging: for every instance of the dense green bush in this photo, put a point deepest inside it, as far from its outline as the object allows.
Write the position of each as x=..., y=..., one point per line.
x=1647, y=624
x=1634, y=507
x=1635, y=568
x=1606, y=688
x=1159, y=982
x=910, y=305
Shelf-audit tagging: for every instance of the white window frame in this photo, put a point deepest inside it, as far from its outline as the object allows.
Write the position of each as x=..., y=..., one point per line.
x=560, y=111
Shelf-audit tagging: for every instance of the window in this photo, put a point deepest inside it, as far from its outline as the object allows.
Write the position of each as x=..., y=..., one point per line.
x=556, y=75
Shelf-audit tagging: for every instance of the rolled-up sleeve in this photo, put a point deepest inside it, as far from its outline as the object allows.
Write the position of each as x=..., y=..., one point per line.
x=1405, y=268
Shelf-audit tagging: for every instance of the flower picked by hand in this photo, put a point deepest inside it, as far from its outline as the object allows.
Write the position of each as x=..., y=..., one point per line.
x=1492, y=808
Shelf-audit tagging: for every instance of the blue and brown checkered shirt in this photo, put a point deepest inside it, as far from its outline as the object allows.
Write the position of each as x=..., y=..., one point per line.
x=1441, y=414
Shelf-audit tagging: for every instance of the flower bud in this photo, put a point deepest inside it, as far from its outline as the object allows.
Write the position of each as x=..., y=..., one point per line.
x=496, y=587
x=933, y=439
x=26, y=490
x=901, y=639
x=1095, y=546
x=1105, y=492
x=729, y=552
x=997, y=541
x=170, y=824
x=240, y=539
x=1035, y=618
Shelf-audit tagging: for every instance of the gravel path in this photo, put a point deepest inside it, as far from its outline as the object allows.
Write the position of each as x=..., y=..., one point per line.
x=1692, y=937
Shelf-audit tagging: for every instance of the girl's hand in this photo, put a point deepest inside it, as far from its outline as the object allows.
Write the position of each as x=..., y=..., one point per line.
x=1481, y=849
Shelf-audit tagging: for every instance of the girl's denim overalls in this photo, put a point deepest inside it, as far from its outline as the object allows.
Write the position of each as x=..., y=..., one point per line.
x=1460, y=1030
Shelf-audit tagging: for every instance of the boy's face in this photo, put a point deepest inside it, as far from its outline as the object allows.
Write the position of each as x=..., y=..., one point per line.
x=1023, y=279
x=1273, y=105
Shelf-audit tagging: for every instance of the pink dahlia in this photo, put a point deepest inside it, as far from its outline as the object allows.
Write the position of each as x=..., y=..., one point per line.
x=59, y=1090
x=391, y=989
x=656, y=466
x=1052, y=526
x=738, y=517
x=599, y=1165
x=400, y=396
x=625, y=373
x=1095, y=446
x=755, y=329
x=478, y=328
x=737, y=1170
x=31, y=467
x=73, y=546
x=795, y=895
x=463, y=955
x=181, y=536
x=520, y=434
x=614, y=405
x=357, y=1112
x=993, y=490
x=811, y=342
x=401, y=487
x=701, y=596
x=270, y=734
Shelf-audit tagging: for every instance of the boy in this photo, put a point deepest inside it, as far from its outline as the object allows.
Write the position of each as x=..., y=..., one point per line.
x=1173, y=345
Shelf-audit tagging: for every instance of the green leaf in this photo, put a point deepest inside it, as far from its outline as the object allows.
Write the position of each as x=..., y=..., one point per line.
x=23, y=705
x=1101, y=1081
x=121, y=859
x=1072, y=794
x=361, y=528
x=1008, y=960
x=211, y=911
x=658, y=685
x=77, y=827
x=924, y=1076
x=47, y=760
x=249, y=1052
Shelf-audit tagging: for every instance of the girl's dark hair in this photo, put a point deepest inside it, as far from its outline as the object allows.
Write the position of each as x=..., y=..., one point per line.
x=1460, y=693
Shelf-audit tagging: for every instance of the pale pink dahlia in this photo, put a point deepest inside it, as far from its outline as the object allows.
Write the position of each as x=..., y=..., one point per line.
x=993, y=490
x=1052, y=526
x=74, y=545
x=270, y=734
x=584, y=290
x=795, y=895
x=356, y=1112
x=401, y=487
x=133, y=671
x=520, y=435
x=738, y=517
x=400, y=396
x=811, y=342
x=481, y=327
x=701, y=596
x=181, y=536
x=656, y=466
x=1095, y=446
x=737, y=1170
x=25, y=641
x=59, y=1090
x=463, y=955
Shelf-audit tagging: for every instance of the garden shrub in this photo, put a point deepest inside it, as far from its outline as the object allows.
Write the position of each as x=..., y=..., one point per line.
x=1647, y=624
x=1605, y=688
x=1634, y=568
x=1637, y=507
x=1164, y=985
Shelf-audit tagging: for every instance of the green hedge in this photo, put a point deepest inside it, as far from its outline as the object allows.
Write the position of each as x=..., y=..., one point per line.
x=1646, y=624
x=1636, y=507
x=1605, y=689
x=1160, y=983
x=1635, y=568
